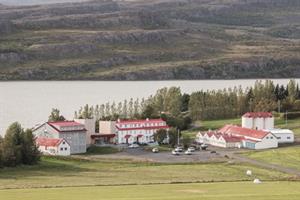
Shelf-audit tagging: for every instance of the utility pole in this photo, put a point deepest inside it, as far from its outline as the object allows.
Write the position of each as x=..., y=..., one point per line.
x=286, y=118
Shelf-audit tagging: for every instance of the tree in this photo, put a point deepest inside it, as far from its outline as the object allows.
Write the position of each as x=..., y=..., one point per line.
x=160, y=136
x=173, y=136
x=173, y=101
x=1, y=152
x=149, y=112
x=12, y=146
x=55, y=116
x=185, y=99
x=186, y=141
x=30, y=152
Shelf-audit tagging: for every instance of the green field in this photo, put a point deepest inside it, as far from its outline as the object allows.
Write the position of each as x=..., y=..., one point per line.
x=54, y=172
x=203, y=191
x=288, y=157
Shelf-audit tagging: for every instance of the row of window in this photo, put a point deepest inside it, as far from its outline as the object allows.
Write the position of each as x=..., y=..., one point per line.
x=286, y=138
x=63, y=148
x=141, y=125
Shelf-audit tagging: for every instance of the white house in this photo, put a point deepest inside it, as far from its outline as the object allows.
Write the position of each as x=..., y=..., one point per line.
x=283, y=135
x=258, y=120
x=53, y=146
x=73, y=132
x=130, y=131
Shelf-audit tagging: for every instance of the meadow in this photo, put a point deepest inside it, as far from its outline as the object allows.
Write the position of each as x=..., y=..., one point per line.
x=68, y=172
x=203, y=191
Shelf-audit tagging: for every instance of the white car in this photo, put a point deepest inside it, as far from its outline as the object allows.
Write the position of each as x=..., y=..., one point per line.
x=191, y=149
x=188, y=152
x=179, y=149
x=133, y=146
x=155, y=150
x=175, y=153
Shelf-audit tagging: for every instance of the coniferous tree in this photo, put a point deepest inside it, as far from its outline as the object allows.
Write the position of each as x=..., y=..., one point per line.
x=30, y=152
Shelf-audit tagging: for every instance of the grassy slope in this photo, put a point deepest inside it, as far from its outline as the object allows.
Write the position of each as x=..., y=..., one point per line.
x=204, y=191
x=224, y=39
x=288, y=157
x=54, y=172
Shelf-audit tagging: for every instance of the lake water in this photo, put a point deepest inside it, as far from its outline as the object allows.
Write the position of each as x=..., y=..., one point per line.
x=30, y=103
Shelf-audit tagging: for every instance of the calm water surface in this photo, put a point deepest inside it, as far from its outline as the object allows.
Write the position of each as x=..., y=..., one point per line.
x=31, y=102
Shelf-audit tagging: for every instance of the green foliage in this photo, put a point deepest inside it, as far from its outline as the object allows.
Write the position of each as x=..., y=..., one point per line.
x=18, y=147
x=160, y=136
x=86, y=112
x=55, y=116
x=174, y=136
x=95, y=150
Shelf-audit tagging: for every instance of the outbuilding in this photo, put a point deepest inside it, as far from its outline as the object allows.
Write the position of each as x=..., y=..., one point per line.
x=53, y=146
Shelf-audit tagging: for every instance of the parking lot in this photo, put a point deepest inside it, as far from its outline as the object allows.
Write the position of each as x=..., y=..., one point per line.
x=139, y=154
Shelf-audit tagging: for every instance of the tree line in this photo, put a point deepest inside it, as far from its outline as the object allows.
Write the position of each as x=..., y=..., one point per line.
x=18, y=147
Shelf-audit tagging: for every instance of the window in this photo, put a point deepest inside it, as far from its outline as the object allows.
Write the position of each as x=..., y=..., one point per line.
x=64, y=143
x=271, y=137
x=267, y=137
x=278, y=138
x=288, y=138
x=61, y=149
x=66, y=149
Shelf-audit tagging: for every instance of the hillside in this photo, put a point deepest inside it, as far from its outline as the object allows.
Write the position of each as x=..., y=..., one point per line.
x=147, y=40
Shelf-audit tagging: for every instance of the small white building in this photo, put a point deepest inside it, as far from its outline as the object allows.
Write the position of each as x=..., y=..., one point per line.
x=283, y=135
x=53, y=146
x=258, y=120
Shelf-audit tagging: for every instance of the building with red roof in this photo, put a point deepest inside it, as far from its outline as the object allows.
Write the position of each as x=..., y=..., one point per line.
x=130, y=131
x=53, y=146
x=73, y=132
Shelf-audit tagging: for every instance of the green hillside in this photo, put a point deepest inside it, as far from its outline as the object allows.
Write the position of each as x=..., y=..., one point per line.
x=146, y=40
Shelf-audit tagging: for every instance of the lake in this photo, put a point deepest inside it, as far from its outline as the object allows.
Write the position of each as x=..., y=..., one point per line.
x=30, y=102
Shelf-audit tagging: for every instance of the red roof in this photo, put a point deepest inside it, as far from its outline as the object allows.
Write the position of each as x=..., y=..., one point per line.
x=231, y=138
x=240, y=131
x=143, y=128
x=48, y=142
x=258, y=115
x=127, y=136
x=140, y=121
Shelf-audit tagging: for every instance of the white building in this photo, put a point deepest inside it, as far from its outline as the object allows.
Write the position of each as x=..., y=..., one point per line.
x=252, y=139
x=258, y=120
x=53, y=146
x=130, y=131
x=283, y=135
x=73, y=132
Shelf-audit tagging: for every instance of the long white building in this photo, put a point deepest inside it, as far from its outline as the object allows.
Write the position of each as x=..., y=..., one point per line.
x=129, y=131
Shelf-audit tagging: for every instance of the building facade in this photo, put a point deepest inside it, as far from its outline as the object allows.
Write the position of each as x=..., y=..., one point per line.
x=73, y=132
x=53, y=146
x=130, y=131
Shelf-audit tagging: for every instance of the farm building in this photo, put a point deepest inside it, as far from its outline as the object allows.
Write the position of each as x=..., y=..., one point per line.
x=53, y=146
x=73, y=132
x=283, y=135
x=231, y=136
x=129, y=131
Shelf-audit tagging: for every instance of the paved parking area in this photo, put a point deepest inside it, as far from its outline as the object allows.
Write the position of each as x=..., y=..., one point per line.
x=139, y=154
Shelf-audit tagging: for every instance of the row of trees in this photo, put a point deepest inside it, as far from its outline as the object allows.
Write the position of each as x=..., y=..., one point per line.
x=229, y=103
x=179, y=109
x=18, y=147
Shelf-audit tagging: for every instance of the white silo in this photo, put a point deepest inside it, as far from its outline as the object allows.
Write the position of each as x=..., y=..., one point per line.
x=259, y=123
x=269, y=123
x=247, y=122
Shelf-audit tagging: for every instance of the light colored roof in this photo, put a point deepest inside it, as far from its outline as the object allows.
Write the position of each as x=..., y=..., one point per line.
x=65, y=123
x=280, y=131
x=48, y=142
x=245, y=132
x=258, y=115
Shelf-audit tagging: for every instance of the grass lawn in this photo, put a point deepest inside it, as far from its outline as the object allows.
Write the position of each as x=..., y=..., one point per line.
x=101, y=150
x=60, y=172
x=288, y=156
x=203, y=191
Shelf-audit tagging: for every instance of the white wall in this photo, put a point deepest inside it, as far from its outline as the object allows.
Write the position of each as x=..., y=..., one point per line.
x=269, y=141
x=247, y=122
x=63, y=149
x=90, y=126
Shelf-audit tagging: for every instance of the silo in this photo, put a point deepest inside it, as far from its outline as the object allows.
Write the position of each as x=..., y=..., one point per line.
x=247, y=122
x=269, y=123
x=258, y=123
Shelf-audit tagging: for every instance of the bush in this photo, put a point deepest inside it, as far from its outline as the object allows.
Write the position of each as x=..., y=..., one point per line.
x=291, y=115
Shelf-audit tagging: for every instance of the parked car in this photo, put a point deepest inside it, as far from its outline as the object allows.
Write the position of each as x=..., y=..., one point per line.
x=213, y=152
x=187, y=152
x=204, y=146
x=155, y=150
x=133, y=146
x=179, y=149
x=191, y=149
x=175, y=153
